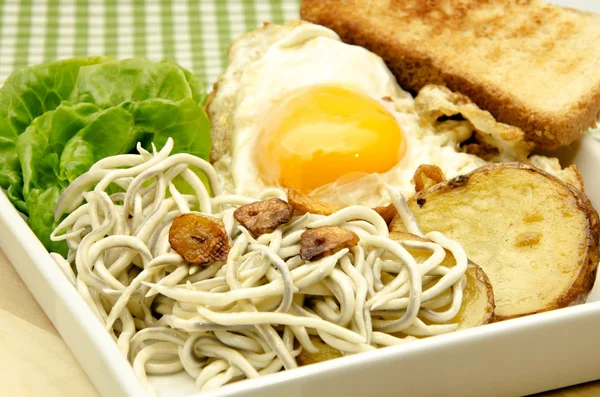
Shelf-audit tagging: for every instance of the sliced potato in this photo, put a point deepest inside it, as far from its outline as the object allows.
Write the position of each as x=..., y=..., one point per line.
x=477, y=307
x=325, y=353
x=535, y=236
x=478, y=300
x=478, y=296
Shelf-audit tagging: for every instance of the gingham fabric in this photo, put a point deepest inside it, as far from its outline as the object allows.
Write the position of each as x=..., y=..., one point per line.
x=195, y=33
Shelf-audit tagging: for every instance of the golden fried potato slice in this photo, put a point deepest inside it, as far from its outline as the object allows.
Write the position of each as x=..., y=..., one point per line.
x=535, y=236
x=477, y=307
x=478, y=296
x=478, y=300
x=325, y=353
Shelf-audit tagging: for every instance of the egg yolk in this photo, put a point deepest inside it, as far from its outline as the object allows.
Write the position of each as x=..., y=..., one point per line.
x=323, y=133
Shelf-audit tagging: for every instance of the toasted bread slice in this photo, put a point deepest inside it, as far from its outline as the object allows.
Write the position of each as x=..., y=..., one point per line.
x=535, y=236
x=531, y=64
x=477, y=307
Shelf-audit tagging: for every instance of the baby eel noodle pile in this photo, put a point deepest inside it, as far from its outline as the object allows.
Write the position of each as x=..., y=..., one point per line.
x=254, y=314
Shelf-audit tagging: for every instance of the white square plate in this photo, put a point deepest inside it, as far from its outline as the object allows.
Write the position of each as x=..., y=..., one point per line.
x=516, y=357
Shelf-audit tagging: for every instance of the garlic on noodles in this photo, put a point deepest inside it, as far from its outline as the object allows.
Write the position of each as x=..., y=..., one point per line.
x=253, y=314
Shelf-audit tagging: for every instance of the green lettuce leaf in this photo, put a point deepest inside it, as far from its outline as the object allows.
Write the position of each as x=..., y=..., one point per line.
x=198, y=91
x=134, y=80
x=179, y=120
x=110, y=132
x=25, y=95
x=41, y=145
x=99, y=108
x=41, y=217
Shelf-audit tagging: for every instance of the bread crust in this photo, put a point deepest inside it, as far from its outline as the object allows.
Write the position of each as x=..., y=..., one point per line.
x=417, y=55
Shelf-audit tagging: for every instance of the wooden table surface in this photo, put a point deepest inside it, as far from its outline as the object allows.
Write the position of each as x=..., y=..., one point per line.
x=36, y=362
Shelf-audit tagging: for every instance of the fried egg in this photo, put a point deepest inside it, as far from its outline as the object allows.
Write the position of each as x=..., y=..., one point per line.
x=298, y=108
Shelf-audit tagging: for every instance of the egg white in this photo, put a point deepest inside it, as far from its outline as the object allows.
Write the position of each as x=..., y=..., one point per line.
x=269, y=65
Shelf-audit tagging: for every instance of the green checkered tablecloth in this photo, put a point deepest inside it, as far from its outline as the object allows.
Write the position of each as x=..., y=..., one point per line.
x=195, y=33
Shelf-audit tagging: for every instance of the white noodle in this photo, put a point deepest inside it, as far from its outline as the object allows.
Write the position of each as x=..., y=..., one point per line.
x=221, y=322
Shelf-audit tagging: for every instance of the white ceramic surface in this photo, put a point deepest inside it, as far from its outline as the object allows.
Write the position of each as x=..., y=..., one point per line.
x=516, y=357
